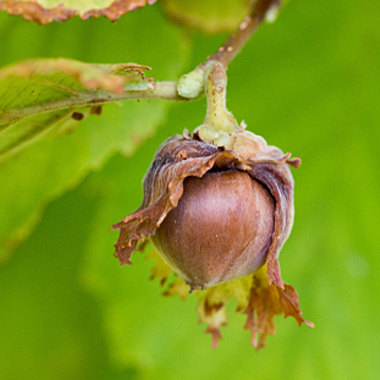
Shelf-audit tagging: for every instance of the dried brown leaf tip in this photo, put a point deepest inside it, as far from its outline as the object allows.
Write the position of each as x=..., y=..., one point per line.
x=218, y=217
x=256, y=298
x=218, y=207
x=46, y=11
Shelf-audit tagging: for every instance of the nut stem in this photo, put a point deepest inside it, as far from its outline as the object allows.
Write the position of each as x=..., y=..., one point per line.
x=217, y=116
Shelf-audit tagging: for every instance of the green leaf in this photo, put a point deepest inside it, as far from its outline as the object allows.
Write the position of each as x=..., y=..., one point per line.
x=44, y=94
x=212, y=16
x=46, y=11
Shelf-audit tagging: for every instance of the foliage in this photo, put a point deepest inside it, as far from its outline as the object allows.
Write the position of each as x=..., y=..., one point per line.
x=211, y=17
x=308, y=83
x=46, y=11
x=40, y=95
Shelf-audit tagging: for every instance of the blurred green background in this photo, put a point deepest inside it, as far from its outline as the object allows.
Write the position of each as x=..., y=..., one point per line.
x=309, y=84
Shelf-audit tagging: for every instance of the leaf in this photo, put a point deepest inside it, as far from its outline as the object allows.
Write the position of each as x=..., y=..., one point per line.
x=46, y=11
x=39, y=95
x=212, y=16
x=159, y=270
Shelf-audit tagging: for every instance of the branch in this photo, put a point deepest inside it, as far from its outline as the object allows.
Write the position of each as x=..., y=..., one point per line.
x=227, y=52
x=192, y=85
x=162, y=90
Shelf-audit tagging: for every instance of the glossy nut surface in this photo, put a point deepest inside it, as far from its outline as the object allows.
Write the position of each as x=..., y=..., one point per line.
x=220, y=230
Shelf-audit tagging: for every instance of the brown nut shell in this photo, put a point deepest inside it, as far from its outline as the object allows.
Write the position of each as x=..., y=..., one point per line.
x=220, y=230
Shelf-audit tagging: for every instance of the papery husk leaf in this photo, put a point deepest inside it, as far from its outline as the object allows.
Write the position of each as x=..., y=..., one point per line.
x=163, y=187
x=178, y=288
x=257, y=298
x=211, y=305
x=159, y=270
x=265, y=302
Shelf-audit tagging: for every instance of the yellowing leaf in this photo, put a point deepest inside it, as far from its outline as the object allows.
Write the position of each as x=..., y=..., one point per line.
x=46, y=11
x=159, y=270
x=178, y=288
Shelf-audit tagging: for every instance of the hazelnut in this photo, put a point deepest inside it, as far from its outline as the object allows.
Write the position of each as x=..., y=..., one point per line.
x=220, y=230
x=214, y=215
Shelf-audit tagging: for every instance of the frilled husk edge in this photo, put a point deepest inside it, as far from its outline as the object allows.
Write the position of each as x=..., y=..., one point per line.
x=255, y=297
